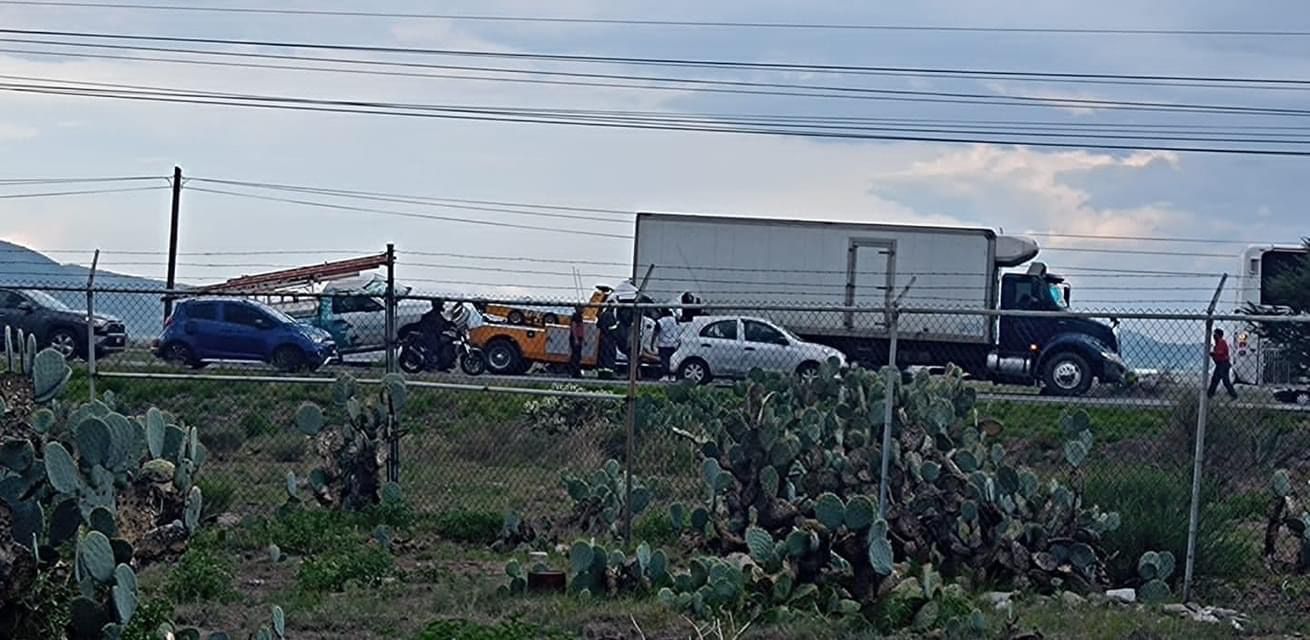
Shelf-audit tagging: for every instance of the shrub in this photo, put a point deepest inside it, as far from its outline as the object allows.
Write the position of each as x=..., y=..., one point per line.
x=1153, y=506
x=655, y=528
x=302, y=532
x=257, y=424
x=366, y=565
x=465, y=630
x=288, y=448
x=222, y=439
x=218, y=493
x=204, y=573
x=150, y=614
x=477, y=527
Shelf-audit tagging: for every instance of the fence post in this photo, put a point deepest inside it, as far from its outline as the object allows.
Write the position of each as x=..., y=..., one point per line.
x=630, y=420
x=889, y=408
x=1202, y=409
x=389, y=319
x=91, y=326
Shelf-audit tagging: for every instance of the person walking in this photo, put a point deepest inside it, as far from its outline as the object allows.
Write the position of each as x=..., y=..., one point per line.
x=577, y=336
x=668, y=337
x=1223, y=366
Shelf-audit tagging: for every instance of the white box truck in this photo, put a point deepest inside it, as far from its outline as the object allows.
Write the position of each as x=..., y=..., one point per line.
x=771, y=261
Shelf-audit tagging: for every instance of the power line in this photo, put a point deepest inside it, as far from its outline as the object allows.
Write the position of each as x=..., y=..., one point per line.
x=697, y=84
x=1146, y=238
x=671, y=62
x=496, y=115
x=402, y=214
x=659, y=22
x=46, y=181
x=51, y=194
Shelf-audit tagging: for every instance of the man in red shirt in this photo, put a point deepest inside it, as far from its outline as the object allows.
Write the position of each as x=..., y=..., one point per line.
x=1223, y=366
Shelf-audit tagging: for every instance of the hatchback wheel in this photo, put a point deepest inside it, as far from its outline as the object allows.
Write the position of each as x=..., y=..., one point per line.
x=694, y=370
x=289, y=359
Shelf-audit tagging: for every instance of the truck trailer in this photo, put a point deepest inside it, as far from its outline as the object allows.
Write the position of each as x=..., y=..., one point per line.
x=849, y=266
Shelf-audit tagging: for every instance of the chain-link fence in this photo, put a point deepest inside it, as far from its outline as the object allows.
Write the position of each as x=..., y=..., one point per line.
x=516, y=405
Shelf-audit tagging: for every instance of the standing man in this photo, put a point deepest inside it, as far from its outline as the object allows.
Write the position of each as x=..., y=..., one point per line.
x=668, y=336
x=1223, y=365
x=608, y=323
x=577, y=336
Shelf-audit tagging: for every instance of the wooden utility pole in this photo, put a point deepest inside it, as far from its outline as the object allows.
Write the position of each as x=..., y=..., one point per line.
x=172, y=241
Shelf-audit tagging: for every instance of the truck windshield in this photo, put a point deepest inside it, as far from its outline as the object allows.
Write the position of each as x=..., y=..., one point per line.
x=1057, y=296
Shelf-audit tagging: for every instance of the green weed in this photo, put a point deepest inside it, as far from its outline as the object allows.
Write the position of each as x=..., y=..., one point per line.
x=466, y=630
x=365, y=565
x=476, y=527
x=203, y=574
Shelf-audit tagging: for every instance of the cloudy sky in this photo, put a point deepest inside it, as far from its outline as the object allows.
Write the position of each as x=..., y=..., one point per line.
x=1017, y=189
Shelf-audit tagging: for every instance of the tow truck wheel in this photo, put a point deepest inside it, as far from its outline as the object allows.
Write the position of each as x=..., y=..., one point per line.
x=515, y=317
x=503, y=358
x=1067, y=374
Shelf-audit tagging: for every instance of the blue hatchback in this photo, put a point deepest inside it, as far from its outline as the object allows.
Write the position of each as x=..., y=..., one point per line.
x=205, y=329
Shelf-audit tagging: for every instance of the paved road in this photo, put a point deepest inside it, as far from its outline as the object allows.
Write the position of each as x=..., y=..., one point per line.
x=1164, y=396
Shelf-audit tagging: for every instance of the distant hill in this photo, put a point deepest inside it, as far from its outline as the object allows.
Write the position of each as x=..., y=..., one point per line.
x=21, y=267
x=1141, y=351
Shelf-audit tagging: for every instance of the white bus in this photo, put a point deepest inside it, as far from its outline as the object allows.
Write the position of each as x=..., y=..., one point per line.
x=1254, y=362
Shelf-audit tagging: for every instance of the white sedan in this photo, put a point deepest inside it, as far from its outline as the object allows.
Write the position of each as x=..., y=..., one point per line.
x=731, y=346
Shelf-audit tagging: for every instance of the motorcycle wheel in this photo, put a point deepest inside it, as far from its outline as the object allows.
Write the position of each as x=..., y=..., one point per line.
x=472, y=363
x=411, y=361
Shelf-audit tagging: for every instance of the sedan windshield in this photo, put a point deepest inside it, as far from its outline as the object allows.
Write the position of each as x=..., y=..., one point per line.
x=44, y=299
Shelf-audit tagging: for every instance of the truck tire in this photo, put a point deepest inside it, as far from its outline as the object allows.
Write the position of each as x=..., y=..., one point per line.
x=503, y=357
x=550, y=318
x=1067, y=374
x=515, y=317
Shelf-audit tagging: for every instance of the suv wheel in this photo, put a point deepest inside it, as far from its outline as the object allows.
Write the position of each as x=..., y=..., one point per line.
x=66, y=343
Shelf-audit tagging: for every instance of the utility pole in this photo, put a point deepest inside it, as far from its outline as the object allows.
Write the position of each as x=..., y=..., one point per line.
x=172, y=242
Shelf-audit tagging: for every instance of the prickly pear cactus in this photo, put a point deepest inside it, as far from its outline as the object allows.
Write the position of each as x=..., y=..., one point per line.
x=1288, y=512
x=353, y=451
x=598, y=501
x=791, y=471
x=30, y=379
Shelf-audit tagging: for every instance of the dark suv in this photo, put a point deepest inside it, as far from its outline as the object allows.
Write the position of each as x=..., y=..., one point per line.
x=56, y=325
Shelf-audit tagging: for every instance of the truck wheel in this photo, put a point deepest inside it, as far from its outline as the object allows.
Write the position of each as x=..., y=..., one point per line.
x=1067, y=374
x=503, y=357
x=550, y=318
x=66, y=343
x=515, y=317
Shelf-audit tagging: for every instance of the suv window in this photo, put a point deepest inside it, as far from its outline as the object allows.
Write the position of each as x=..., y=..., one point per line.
x=759, y=332
x=355, y=304
x=245, y=315
x=202, y=311
x=10, y=300
x=724, y=329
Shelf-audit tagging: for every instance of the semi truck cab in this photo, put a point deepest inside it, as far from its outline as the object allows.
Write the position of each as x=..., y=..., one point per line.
x=1064, y=354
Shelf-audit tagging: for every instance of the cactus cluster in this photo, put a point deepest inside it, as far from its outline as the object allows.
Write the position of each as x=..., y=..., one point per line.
x=1155, y=569
x=598, y=501
x=791, y=471
x=274, y=629
x=1288, y=512
x=47, y=368
x=594, y=570
x=353, y=451
x=108, y=589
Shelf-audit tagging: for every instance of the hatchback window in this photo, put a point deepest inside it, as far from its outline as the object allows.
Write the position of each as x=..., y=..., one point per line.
x=202, y=311
x=245, y=315
x=763, y=333
x=723, y=329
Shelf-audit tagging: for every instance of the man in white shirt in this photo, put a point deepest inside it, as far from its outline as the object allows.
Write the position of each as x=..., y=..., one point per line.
x=668, y=335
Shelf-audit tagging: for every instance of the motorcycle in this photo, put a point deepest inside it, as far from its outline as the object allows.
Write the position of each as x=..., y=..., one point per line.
x=416, y=356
